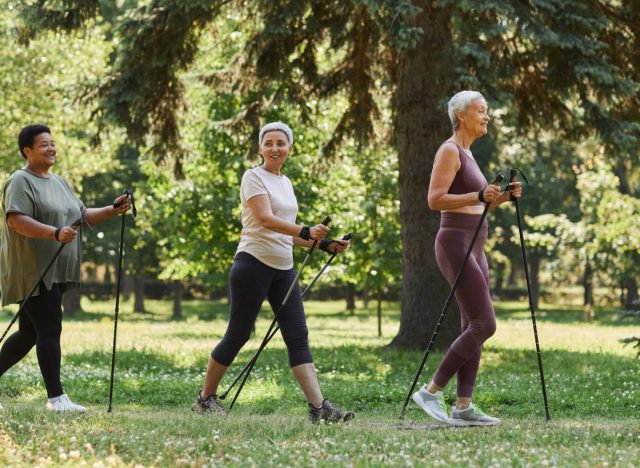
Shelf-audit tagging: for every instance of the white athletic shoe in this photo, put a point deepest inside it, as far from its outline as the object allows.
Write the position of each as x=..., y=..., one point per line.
x=433, y=404
x=65, y=405
x=472, y=416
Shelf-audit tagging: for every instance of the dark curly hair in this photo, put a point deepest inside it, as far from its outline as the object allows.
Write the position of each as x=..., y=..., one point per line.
x=28, y=134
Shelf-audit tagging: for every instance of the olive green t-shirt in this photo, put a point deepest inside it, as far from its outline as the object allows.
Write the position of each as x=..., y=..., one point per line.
x=23, y=259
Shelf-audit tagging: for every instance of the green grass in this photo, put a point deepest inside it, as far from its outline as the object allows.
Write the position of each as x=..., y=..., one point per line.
x=593, y=384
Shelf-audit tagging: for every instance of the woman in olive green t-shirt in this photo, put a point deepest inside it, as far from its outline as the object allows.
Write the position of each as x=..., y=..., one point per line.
x=39, y=208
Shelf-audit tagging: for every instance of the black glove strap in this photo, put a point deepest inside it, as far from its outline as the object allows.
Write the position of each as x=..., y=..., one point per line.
x=305, y=233
x=481, y=196
x=324, y=245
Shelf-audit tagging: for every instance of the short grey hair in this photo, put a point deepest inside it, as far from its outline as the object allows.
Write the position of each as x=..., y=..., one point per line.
x=460, y=103
x=282, y=127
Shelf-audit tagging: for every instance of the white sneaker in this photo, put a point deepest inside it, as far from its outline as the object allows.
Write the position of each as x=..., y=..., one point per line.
x=472, y=416
x=433, y=404
x=64, y=404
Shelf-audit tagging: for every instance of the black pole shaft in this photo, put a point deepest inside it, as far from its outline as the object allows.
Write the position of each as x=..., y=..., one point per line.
x=531, y=307
x=35, y=286
x=76, y=224
x=444, y=310
x=115, y=323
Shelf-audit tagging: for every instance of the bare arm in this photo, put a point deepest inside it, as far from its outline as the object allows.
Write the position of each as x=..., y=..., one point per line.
x=97, y=215
x=261, y=208
x=298, y=242
x=445, y=167
x=29, y=227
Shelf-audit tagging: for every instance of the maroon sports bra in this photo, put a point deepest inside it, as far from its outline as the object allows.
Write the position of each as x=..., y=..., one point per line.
x=469, y=177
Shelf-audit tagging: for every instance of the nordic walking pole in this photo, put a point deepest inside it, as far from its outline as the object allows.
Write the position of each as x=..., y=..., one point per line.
x=273, y=333
x=35, y=286
x=115, y=323
x=496, y=181
x=512, y=178
x=326, y=221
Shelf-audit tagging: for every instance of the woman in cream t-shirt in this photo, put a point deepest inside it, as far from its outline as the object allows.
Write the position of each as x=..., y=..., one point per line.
x=263, y=268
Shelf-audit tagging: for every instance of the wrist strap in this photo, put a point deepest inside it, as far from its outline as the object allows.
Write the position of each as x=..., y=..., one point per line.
x=57, y=234
x=481, y=196
x=305, y=233
x=324, y=245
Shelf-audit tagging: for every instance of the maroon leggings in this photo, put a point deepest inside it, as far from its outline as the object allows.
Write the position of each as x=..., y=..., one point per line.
x=476, y=310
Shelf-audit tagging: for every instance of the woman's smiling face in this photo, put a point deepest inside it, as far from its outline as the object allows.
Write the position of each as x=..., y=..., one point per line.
x=275, y=149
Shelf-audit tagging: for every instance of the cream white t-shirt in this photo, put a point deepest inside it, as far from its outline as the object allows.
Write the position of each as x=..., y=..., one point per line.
x=270, y=247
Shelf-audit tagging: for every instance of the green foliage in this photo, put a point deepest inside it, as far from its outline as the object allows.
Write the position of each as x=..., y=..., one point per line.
x=37, y=86
x=555, y=64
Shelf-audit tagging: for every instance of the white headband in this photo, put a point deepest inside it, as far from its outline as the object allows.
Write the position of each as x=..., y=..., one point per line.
x=276, y=126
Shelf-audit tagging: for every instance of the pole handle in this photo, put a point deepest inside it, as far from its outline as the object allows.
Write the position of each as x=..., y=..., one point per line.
x=499, y=178
x=129, y=193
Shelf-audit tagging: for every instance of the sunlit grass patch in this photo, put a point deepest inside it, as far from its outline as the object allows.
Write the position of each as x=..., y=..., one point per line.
x=593, y=385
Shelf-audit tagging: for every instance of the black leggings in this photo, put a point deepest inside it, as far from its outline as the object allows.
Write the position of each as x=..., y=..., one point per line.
x=39, y=325
x=251, y=282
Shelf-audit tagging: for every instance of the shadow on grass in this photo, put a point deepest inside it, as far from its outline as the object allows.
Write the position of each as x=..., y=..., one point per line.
x=371, y=380
x=560, y=314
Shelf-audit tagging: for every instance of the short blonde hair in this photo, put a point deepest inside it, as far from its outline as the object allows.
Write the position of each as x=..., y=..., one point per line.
x=460, y=103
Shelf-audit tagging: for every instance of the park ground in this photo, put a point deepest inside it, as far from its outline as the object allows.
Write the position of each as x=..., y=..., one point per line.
x=593, y=385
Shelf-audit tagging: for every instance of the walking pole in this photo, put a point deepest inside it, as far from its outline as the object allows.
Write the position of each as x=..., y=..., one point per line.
x=512, y=178
x=35, y=286
x=326, y=221
x=273, y=333
x=118, y=277
x=496, y=181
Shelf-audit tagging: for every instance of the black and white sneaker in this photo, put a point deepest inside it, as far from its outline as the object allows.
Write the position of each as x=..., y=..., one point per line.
x=328, y=413
x=210, y=405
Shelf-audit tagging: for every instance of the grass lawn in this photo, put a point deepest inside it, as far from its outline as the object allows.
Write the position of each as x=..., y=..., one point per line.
x=593, y=386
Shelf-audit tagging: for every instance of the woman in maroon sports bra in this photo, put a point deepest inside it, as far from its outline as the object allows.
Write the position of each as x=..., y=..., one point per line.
x=459, y=191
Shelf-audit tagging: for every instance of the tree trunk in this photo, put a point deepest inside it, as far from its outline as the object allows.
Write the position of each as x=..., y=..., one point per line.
x=350, y=296
x=107, y=274
x=631, y=301
x=365, y=294
x=424, y=81
x=587, y=284
x=534, y=276
x=138, y=298
x=71, y=302
x=513, y=272
x=177, y=300
x=499, y=284
x=127, y=287
x=379, y=299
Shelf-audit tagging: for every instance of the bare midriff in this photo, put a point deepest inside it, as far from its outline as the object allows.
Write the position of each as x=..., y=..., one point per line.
x=472, y=210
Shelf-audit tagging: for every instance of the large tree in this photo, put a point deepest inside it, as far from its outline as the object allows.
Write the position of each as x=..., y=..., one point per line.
x=568, y=65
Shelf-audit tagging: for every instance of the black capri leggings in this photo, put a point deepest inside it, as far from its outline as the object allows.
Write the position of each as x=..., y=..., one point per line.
x=40, y=325
x=251, y=282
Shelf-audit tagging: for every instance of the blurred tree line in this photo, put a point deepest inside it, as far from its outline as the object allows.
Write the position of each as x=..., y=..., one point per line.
x=166, y=97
